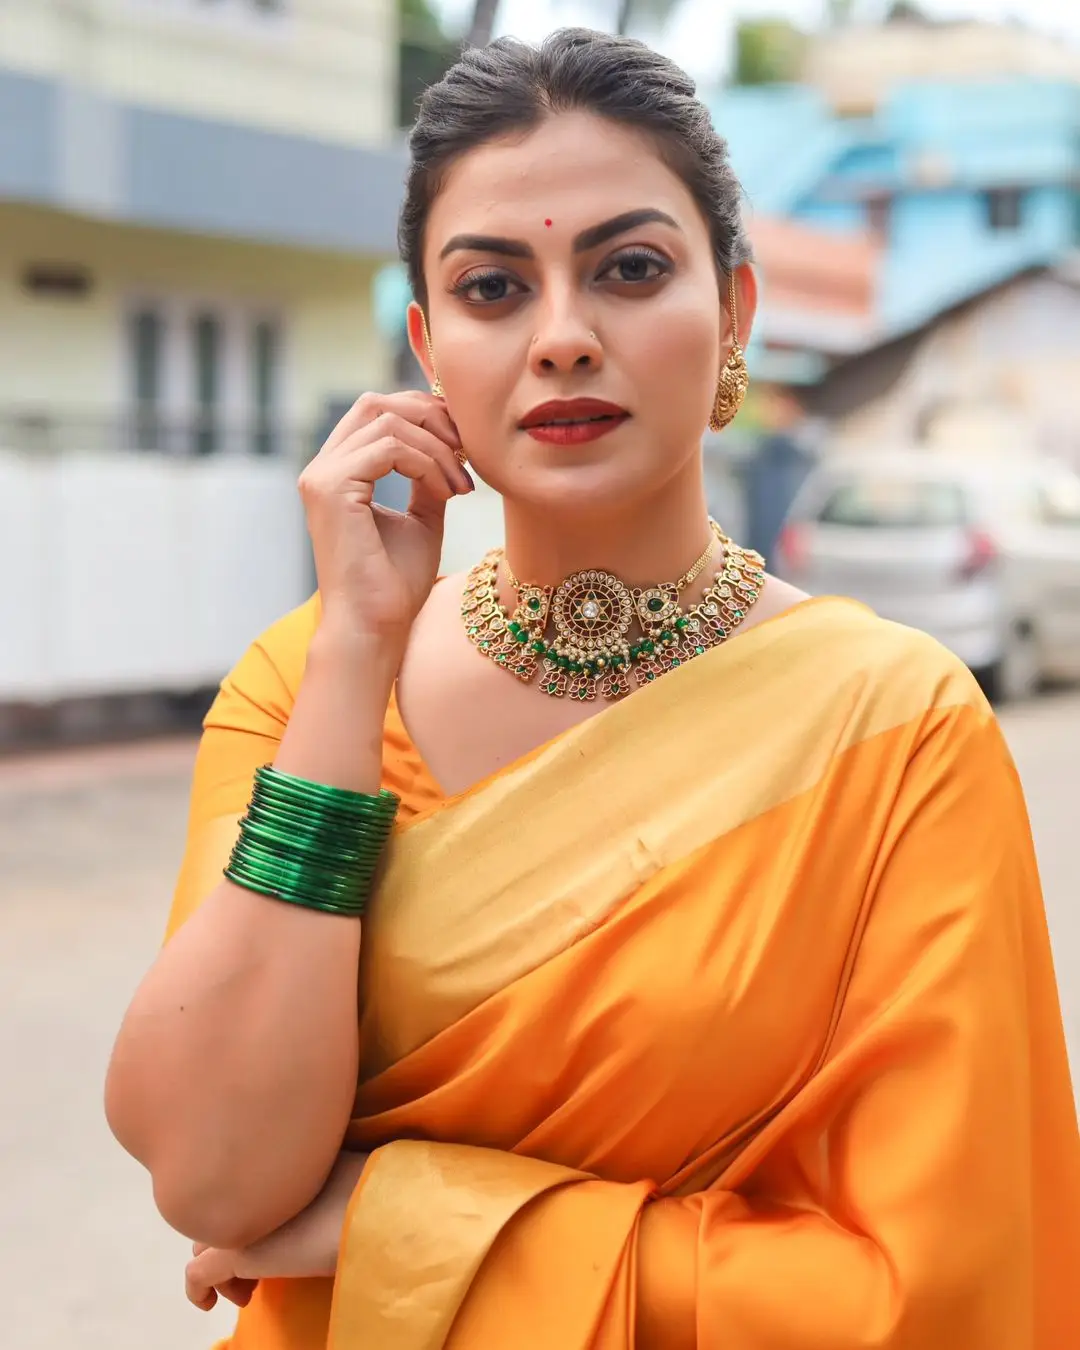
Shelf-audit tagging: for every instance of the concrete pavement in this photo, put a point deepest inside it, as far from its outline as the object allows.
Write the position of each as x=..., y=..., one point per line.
x=89, y=843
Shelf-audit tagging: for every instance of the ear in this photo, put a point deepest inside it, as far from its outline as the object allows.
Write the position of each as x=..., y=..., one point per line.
x=418, y=340
x=746, y=302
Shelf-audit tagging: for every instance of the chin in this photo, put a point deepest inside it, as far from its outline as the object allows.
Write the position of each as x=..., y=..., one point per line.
x=579, y=488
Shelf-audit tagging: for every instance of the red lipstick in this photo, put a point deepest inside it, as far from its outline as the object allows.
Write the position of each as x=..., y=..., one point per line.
x=572, y=421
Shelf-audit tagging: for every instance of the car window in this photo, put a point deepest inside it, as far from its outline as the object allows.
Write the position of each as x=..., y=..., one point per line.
x=894, y=503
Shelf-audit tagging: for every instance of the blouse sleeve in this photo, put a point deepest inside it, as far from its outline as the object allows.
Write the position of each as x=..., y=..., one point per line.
x=241, y=732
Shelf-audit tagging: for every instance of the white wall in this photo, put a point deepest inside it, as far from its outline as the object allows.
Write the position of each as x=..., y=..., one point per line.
x=122, y=573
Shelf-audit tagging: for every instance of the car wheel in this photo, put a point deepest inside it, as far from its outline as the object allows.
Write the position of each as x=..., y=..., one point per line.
x=1017, y=674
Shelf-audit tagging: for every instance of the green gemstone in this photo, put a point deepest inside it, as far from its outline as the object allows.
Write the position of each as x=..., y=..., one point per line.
x=521, y=636
x=739, y=613
x=682, y=623
x=473, y=631
x=667, y=635
x=699, y=651
x=575, y=667
x=534, y=603
x=538, y=647
x=484, y=646
x=513, y=625
x=564, y=662
x=648, y=647
x=616, y=688
x=501, y=658
x=635, y=652
x=656, y=604
x=675, y=662
x=552, y=688
x=616, y=662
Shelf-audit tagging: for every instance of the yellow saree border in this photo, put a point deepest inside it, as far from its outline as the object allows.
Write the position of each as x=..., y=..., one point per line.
x=477, y=893
x=419, y=1225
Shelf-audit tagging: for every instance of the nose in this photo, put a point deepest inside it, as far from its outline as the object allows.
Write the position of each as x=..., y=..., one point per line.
x=564, y=343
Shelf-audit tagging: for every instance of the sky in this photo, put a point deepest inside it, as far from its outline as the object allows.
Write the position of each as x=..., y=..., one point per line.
x=700, y=34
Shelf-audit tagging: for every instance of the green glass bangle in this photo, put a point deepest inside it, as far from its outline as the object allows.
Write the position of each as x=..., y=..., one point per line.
x=297, y=840
x=302, y=818
x=311, y=844
x=274, y=783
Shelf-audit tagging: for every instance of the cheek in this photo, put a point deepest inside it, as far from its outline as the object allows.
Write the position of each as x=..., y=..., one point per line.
x=679, y=351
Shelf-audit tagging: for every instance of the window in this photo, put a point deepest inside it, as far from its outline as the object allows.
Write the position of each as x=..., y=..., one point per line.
x=206, y=335
x=1004, y=208
x=203, y=376
x=265, y=362
x=146, y=338
x=894, y=503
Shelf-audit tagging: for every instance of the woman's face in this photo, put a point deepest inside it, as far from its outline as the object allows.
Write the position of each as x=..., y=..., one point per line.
x=572, y=264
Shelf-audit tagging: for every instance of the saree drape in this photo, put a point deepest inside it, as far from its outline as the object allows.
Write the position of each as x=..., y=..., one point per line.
x=726, y=1019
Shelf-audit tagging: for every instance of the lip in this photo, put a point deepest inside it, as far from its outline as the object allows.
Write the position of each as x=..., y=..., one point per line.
x=571, y=411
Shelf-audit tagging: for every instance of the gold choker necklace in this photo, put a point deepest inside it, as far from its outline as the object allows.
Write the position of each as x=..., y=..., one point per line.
x=592, y=651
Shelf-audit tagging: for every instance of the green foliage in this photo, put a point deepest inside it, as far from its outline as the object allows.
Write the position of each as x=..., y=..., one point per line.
x=425, y=53
x=767, y=51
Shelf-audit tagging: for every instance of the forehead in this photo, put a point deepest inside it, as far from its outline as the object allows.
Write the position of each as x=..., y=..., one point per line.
x=574, y=169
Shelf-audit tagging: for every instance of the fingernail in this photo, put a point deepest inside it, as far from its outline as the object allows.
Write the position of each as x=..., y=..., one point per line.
x=469, y=479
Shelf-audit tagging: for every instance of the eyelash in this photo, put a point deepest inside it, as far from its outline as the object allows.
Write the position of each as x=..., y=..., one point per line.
x=477, y=277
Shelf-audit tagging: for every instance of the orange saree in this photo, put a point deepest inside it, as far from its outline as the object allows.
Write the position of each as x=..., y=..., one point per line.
x=726, y=1019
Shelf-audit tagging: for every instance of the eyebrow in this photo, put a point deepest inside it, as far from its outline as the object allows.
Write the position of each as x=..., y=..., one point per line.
x=587, y=239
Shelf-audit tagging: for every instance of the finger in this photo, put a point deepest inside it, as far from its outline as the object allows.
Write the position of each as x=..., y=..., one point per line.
x=426, y=410
x=365, y=464
x=415, y=406
x=203, y=1296
x=204, y=1272
x=238, y=1291
x=399, y=428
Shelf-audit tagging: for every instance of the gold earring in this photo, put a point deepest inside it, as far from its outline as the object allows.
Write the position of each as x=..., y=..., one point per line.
x=734, y=378
x=436, y=387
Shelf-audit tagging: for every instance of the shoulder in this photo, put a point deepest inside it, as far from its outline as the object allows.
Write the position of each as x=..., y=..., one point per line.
x=838, y=652
x=268, y=674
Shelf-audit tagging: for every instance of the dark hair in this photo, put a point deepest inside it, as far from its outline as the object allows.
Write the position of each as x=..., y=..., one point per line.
x=510, y=87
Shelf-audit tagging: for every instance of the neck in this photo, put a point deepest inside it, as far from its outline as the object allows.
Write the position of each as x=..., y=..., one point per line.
x=650, y=542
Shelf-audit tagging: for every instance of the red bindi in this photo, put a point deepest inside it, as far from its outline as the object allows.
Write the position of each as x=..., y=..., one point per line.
x=548, y=224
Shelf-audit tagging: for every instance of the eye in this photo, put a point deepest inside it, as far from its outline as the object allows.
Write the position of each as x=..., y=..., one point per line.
x=635, y=266
x=486, y=287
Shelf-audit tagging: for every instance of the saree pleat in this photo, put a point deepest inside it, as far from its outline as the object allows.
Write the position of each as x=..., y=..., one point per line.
x=727, y=1019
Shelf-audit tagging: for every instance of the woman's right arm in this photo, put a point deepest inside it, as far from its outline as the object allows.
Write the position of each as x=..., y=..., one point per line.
x=234, y=1072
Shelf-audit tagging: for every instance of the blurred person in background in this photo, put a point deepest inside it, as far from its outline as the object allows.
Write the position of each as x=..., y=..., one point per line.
x=776, y=471
x=705, y=994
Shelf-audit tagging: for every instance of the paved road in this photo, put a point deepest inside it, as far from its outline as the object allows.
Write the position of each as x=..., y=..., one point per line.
x=88, y=846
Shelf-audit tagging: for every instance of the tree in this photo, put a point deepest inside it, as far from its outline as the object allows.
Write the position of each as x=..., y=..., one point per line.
x=482, y=27
x=425, y=53
x=630, y=11
x=767, y=51
x=839, y=13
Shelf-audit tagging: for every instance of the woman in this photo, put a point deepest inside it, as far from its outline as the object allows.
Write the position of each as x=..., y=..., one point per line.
x=714, y=1009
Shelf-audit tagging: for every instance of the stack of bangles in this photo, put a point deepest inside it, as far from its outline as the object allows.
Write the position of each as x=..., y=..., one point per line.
x=311, y=845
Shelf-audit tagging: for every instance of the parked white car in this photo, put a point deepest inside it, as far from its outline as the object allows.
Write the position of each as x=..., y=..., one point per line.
x=985, y=556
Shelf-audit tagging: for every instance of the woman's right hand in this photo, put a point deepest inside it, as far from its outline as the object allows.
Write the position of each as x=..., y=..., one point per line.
x=375, y=566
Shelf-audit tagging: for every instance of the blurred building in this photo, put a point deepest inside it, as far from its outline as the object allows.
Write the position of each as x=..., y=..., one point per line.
x=853, y=65
x=965, y=167
x=195, y=198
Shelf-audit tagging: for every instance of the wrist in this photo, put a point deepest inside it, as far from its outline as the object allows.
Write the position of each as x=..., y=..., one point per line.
x=371, y=659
